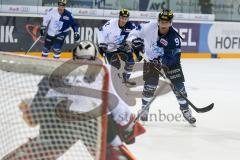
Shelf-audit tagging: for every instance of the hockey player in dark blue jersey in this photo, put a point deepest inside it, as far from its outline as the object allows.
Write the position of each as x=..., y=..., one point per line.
x=115, y=32
x=58, y=21
x=162, y=47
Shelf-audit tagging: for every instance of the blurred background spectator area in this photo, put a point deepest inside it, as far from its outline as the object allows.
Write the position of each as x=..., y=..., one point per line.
x=223, y=10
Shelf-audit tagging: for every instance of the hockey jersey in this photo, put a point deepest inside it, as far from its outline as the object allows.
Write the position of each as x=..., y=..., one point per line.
x=167, y=47
x=110, y=32
x=59, y=23
x=83, y=99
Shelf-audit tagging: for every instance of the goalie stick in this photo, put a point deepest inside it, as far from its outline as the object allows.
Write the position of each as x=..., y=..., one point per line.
x=198, y=110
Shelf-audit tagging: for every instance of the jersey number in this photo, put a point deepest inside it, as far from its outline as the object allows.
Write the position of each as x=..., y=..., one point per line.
x=177, y=42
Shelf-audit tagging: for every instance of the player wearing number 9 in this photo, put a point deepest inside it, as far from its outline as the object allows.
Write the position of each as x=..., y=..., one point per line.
x=163, y=49
x=58, y=21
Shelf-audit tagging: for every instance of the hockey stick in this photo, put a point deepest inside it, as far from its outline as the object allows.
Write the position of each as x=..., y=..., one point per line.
x=144, y=109
x=198, y=110
x=33, y=44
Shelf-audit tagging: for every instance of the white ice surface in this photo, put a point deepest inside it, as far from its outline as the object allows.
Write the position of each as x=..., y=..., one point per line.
x=217, y=135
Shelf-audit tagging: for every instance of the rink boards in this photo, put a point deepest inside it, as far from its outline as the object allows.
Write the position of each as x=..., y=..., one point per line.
x=201, y=39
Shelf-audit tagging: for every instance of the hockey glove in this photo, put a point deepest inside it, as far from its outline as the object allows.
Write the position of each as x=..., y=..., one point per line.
x=76, y=36
x=138, y=44
x=158, y=64
x=126, y=47
x=42, y=30
x=102, y=47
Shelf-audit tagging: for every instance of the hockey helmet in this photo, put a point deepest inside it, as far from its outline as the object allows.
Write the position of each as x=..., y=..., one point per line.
x=85, y=50
x=165, y=14
x=124, y=13
x=62, y=2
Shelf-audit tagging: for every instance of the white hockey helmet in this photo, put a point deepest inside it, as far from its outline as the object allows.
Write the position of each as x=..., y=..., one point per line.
x=85, y=50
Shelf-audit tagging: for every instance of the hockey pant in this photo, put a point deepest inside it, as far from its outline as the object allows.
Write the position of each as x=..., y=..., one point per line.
x=55, y=43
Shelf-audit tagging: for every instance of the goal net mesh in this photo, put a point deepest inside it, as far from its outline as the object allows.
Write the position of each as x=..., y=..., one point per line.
x=52, y=109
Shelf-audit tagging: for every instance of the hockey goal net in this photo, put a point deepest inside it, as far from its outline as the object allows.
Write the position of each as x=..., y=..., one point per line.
x=52, y=109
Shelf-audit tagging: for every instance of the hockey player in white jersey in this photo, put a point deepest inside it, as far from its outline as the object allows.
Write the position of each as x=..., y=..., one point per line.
x=163, y=49
x=58, y=21
x=60, y=124
x=115, y=32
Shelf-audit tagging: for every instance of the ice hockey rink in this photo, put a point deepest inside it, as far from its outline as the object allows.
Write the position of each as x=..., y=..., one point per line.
x=217, y=132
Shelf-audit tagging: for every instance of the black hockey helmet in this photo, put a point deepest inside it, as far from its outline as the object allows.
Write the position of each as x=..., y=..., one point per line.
x=62, y=2
x=165, y=14
x=124, y=13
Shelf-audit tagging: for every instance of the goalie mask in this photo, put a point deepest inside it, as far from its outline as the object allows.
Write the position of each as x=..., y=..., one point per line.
x=85, y=50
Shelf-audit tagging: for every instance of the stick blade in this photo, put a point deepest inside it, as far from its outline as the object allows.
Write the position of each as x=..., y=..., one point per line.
x=205, y=109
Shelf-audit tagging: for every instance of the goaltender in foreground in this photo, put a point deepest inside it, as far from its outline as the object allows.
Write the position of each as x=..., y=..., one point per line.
x=61, y=125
